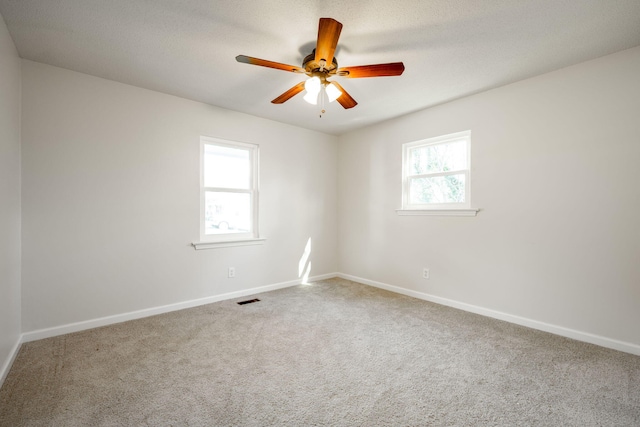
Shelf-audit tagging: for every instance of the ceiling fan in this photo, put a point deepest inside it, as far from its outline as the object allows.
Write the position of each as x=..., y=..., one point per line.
x=322, y=64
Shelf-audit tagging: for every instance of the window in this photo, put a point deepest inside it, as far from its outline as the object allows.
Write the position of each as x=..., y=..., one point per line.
x=435, y=173
x=228, y=190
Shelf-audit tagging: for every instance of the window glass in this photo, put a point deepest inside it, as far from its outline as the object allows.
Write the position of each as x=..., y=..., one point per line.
x=439, y=158
x=437, y=189
x=226, y=167
x=227, y=212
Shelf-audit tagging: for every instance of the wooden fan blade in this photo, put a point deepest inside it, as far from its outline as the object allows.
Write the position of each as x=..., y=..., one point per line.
x=289, y=94
x=264, y=63
x=328, y=33
x=378, y=70
x=345, y=99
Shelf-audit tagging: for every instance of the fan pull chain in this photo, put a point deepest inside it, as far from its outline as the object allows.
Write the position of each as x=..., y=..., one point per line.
x=322, y=96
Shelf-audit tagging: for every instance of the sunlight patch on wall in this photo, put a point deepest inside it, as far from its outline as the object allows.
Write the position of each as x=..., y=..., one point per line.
x=304, y=265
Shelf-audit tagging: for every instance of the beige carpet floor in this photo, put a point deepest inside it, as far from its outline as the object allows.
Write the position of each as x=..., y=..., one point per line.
x=334, y=353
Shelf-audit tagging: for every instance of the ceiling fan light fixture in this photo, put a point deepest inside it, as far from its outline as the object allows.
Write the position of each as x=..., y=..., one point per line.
x=311, y=98
x=333, y=92
x=312, y=86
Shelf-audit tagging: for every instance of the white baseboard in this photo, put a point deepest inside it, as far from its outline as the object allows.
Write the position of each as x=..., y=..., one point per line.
x=109, y=320
x=9, y=361
x=534, y=324
x=118, y=318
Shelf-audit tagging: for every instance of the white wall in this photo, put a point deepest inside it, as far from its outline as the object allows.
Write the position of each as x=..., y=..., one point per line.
x=555, y=172
x=111, y=199
x=9, y=199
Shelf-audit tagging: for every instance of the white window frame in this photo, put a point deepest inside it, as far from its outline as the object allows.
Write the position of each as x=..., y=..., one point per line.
x=462, y=209
x=231, y=239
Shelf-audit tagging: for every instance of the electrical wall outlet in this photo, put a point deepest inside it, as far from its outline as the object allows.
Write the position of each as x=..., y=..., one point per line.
x=425, y=273
x=232, y=272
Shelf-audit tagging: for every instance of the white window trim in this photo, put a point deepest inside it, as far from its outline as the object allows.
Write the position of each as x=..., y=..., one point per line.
x=447, y=209
x=211, y=241
x=438, y=212
x=227, y=244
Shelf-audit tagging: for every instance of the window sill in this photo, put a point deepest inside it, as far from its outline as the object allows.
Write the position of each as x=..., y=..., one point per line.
x=440, y=212
x=227, y=243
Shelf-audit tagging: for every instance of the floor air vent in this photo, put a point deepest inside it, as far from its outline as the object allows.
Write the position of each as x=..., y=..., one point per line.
x=249, y=301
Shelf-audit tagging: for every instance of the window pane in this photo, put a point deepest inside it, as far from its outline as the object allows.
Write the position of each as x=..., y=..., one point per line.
x=451, y=156
x=227, y=212
x=438, y=189
x=226, y=167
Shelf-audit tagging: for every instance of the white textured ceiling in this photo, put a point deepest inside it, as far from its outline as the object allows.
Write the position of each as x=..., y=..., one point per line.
x=450, y=48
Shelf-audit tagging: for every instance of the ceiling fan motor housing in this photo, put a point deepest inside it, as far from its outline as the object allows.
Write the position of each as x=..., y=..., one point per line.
x=312, y=66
